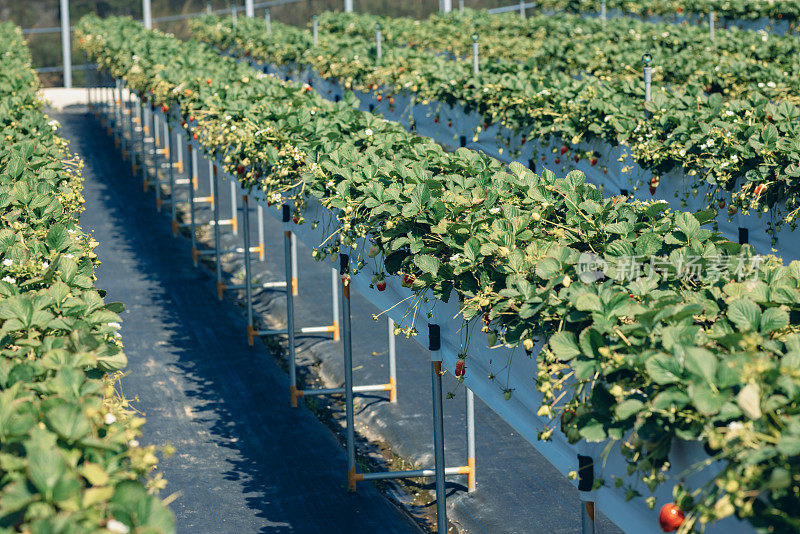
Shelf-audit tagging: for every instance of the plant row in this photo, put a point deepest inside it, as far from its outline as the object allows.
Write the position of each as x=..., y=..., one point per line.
x=788, y=10
x=734, y=63
x=641, y=355
x=740, y=153
x=69, y=459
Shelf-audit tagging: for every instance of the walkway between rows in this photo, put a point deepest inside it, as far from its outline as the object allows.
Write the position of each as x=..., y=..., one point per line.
x=245, y=461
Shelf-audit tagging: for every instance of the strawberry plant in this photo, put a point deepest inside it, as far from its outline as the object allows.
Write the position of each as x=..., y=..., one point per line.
x=728, y=127
x=69, y=460
x=675, y=333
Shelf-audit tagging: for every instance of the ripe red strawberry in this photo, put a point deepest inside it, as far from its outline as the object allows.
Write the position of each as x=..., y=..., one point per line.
x=760, y=188
x=769, y=118
x=593, y=162
x=381, y=285
x=486, y=319
x=671, y=517
x=191, y=118
x=721, y=204
x=164, y=109
x=605, y=171
x=408, y=280
x=543, y=158
x=577, y=158
x=652, y=190
x=379, y=97
x=564, y=150
x=295, y=219
x=208, y=81
x=195, y=137
x=449, y=124
x=459, y=372
x=436, y=120
x=240, y=169
x=680, y=10
x=558, y=160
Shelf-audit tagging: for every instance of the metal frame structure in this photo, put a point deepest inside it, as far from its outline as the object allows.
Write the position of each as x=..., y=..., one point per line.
x=131, y=135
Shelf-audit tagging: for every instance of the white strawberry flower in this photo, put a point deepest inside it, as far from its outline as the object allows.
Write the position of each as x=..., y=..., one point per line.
x=10, y=280
x=368, y=132
x=8, y=262
x=110, y=419
x=494, y=210
x=118, y=527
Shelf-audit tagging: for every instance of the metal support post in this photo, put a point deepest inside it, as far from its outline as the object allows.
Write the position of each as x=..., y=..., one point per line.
x=348, y=6
x=66, y=44
x=603, y=13
x=147, y=14
x=192, y=171
x=522, y=9
x=471, y=440
x=261, y=247
x=248, y=282
x=392, y=362
x=344, y=272
x=711, y=25
x=378, y=42
x=234, y=209
x=287, y=253
x=218, y=256
x=268, y=20
x=435, y=345
x=249, y=9
x=475, y=67
x=315, y=29
x=335, y=304
x=295, y=275
x=170, y=170
x=586, y=485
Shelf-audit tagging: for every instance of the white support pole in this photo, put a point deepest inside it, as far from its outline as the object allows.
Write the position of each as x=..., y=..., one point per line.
x=234, y=15
x=461, y=5
x=249, y=9
x=648, y=76
x=234, y=209
x=378, y=41
x=445, y=6
x=711, y=25
x=392, y=361
x=147, y=14
x=348, y=6
x=603, y=13
x=209, y=11
x=66, y=44
x=295, y=276
x=475, y=68
x=335, y=303
x=522, y=9
x=471, y=440
x=268, y=20
x=315, y=30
